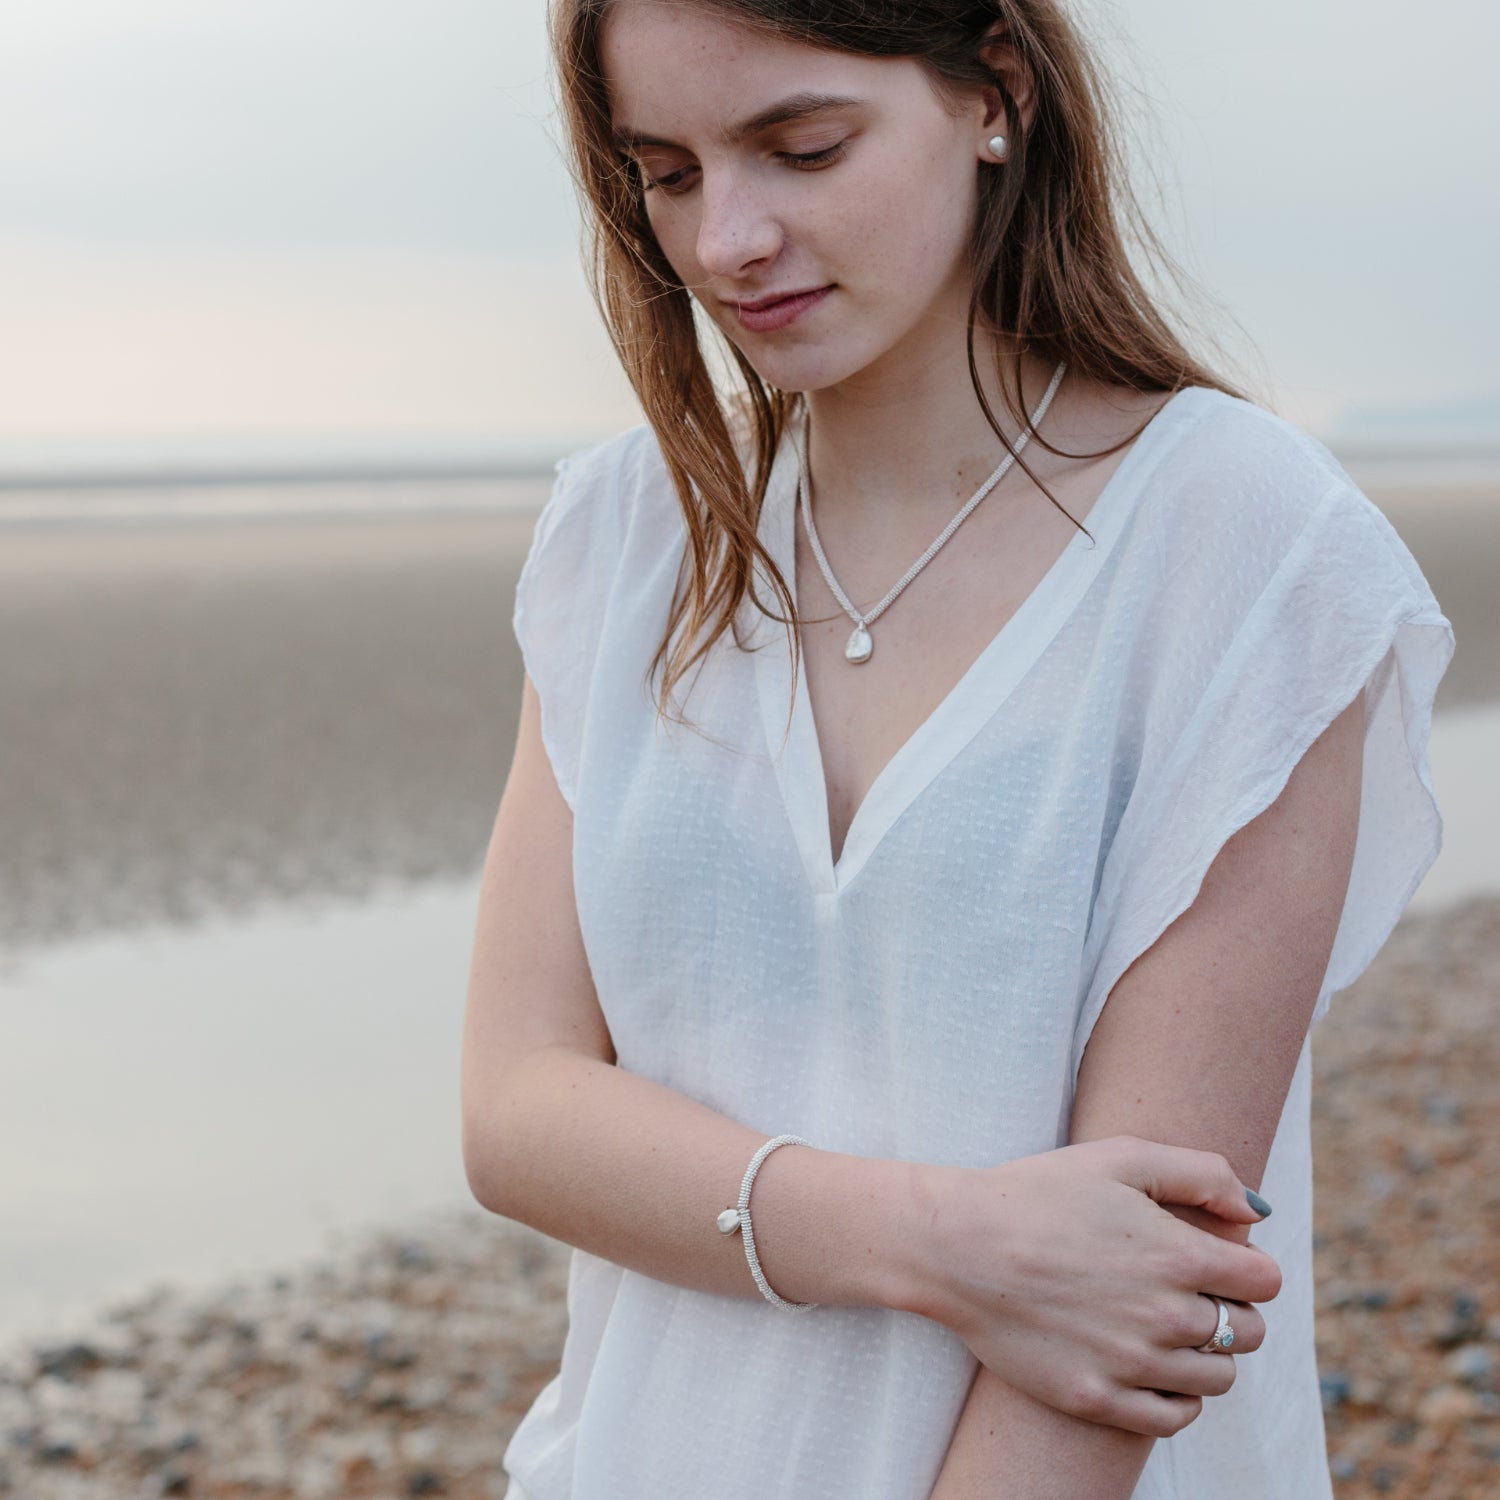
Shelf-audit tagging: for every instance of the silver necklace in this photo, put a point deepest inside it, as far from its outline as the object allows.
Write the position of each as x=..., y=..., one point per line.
x=860, y=644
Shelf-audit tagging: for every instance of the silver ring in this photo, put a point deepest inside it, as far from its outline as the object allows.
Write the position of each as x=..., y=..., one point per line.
x=1223, y=1336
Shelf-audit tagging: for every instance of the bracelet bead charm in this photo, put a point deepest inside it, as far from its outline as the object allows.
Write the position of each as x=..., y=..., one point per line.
x=739, y=1218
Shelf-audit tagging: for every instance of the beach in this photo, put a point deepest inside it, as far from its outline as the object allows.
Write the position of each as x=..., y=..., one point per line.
x=217, y=720
x=207, y=717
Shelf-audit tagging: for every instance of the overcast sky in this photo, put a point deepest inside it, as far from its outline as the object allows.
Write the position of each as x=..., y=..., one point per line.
x=326, y=217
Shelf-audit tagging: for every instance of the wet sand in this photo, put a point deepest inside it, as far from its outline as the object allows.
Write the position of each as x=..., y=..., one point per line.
x=203, y=717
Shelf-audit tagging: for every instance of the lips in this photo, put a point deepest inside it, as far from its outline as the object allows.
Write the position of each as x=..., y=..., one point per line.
x=765, y=314
x=760, y=304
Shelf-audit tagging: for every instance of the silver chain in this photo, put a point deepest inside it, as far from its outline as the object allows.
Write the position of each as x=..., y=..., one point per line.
x=860, y=645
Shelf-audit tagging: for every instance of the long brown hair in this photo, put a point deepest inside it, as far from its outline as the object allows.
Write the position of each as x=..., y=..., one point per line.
x=1051, y=271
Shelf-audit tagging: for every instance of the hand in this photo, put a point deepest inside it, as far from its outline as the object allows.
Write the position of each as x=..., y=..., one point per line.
x=1067, y=1278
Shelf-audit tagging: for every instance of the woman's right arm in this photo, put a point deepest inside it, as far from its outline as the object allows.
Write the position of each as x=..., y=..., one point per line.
x=558, y=1137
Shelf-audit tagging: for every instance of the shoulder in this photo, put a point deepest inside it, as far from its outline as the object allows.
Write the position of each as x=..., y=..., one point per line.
x=1239, y=495
x=613, y=471
x=1232, y=453
x=1234, y=480
x=613, y=489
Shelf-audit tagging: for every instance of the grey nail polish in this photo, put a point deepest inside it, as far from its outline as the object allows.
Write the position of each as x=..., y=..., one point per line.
x=1258, y=1203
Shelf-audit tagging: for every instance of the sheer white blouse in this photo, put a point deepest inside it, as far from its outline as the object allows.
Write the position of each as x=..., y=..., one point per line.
x=928, y=995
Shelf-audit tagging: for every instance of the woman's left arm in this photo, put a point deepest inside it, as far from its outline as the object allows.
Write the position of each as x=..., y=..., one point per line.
x=1195, y=1047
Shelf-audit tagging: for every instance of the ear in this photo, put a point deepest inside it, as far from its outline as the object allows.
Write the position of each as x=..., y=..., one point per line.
x=1004, y=60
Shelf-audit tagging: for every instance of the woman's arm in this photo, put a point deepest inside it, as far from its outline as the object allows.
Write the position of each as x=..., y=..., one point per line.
x=556, y=1136
x=1196, y=1046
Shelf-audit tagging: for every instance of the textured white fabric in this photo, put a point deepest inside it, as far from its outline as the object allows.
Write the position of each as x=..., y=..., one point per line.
x=928, y=996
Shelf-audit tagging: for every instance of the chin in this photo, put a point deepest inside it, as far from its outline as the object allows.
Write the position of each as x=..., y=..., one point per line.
x=799, y=371
x=797, y=362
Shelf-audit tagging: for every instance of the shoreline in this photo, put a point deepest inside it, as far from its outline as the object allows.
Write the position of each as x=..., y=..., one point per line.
x=402, y=1359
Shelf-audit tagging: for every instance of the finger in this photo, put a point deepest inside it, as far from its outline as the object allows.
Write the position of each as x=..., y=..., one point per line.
x=1189, y=1322
x=1186, y=1372
x=1249, y=1326
x=1158, y=1414
x=1200, y=1218
x=1198, y=1179
x=1238, y=1273
x=1150, y=1412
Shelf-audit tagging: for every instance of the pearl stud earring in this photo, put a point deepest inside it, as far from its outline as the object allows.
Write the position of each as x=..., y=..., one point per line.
x=1000, y=146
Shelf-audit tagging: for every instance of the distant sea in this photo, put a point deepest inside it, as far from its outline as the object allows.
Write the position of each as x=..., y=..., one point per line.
x=139, y=481
x=134, y=486
x=272, y=498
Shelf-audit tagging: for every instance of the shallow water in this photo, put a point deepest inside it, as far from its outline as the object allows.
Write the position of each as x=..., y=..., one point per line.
x=195, y=1104
x=1465, y=752
x=184, y=1104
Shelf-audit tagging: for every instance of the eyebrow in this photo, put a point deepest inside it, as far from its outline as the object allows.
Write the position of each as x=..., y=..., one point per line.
x=795, y=107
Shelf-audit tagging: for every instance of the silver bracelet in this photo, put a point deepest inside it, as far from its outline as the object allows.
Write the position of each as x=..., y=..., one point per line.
x=739, y=1218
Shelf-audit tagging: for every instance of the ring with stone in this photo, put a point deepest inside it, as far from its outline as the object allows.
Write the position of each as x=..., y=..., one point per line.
x=1223, y=1336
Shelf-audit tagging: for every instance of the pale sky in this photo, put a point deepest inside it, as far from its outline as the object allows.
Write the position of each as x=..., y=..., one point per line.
x=275, y=217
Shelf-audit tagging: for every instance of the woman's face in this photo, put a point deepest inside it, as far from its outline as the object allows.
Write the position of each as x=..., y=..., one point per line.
x=818, y=204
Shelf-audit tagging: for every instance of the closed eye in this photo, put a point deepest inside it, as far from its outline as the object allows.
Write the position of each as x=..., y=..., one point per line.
x=671, y=182
x=810, y=160
x=801, y=161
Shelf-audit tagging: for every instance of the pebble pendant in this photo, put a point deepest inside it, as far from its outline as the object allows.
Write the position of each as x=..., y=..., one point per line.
x=859, y=645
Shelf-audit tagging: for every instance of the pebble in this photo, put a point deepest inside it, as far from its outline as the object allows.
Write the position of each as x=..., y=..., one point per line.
x=1464, y=1322
x=400, y=1370
x=1443, y=1109
x=1447, y=1406
x=1408, y=1288
x=1473, y=1364
x=1335, y=1388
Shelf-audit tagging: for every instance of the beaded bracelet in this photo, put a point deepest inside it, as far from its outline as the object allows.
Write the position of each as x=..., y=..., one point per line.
x=739, y=1218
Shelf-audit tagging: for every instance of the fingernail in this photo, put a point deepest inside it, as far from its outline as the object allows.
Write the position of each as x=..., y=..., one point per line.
x=1258, y=1203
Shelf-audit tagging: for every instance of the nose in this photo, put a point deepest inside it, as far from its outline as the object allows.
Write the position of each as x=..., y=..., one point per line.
x=736, y=228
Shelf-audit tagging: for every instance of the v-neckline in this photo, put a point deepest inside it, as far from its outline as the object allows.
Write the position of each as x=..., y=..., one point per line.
x=967, y=706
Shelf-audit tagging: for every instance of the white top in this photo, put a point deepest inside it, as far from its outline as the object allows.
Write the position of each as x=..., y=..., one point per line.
x=928, y=995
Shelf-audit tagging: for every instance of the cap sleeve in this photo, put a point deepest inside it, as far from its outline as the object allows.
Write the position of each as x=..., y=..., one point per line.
x=561, y=596
x=1345, y=608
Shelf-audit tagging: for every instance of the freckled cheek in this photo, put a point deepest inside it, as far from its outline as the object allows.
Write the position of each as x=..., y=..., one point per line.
x=844, y=218
x=939, y=204
x=907, y=219
x=676, y=231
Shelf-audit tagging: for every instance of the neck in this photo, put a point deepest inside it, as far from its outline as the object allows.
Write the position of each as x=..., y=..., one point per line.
x=910, y=437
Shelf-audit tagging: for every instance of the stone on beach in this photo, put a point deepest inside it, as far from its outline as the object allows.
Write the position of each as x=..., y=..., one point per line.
x=399, y=1369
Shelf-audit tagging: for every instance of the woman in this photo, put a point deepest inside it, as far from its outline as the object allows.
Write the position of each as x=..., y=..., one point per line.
x=1146, y=725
